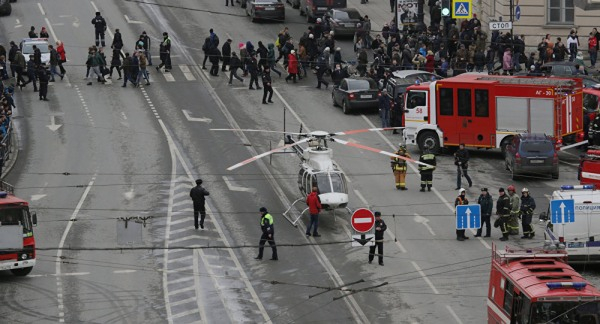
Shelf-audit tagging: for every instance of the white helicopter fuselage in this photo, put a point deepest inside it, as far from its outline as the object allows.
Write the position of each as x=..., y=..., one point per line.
x=318, y=169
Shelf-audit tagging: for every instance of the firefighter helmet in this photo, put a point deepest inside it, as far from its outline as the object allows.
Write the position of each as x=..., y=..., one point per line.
x=525, y=190
x=402, y=147
x=511, y=188
x=461, y=190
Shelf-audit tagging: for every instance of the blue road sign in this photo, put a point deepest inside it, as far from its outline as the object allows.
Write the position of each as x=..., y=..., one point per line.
x=563, y=211
x=468, y=216
x=518, y=12
x=462, y=9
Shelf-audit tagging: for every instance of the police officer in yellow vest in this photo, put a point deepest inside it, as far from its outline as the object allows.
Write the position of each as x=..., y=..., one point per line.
x=427, y=171
x=399, y=167
x=268, y=234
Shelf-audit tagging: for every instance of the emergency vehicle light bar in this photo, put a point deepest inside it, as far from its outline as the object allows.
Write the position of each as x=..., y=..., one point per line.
x=571, y=187
x=575, y=285
x=3, y=194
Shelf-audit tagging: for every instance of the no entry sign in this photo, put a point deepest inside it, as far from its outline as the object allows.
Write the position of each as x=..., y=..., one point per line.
x=362, y=220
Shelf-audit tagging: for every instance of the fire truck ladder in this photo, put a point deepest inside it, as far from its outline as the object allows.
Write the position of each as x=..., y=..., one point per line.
x=508, y=254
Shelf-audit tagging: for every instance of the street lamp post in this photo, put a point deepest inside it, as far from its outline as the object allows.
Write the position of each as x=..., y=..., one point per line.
x=420, y=21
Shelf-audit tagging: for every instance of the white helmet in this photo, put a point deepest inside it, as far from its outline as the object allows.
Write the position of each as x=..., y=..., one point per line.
x=525, y=190
x=319, y=20
x=461, y=190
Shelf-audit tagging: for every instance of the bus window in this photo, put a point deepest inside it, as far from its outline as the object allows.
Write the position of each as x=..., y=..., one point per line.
x=464, y=102
x=482, y=103
x=446, y=102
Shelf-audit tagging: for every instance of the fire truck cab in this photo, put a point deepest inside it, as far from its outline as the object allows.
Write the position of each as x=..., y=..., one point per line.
x=538, y=286
x=589, y=167
x=19, y=258
x=486, y=111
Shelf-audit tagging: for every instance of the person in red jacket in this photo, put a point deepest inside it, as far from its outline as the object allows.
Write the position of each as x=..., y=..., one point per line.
x=314, y=208
x=292, y=66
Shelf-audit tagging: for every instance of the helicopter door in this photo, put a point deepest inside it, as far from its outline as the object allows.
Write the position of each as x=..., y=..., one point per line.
x=301, y=181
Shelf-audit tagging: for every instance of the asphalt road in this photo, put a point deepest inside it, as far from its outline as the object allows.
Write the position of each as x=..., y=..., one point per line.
x=135, y=152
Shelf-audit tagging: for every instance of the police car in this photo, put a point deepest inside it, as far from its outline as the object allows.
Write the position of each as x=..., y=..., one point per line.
x=41, y=43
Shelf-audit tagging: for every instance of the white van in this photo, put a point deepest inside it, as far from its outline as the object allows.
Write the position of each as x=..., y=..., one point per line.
x=582, y=237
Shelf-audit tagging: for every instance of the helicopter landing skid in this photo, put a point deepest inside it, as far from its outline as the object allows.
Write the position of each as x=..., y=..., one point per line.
x=295, y=221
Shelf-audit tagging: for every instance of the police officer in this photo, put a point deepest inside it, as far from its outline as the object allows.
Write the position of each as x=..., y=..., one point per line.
x=427, y=171
x=99, y=27
x=487, y=204
x=503, y=211
x=165, y=53
x=267, y=87
x=42, y=76
x=461, y=160
x=461, y=200
x=399, y=167
x=380, y=227
x=198, y=194
x=527, y=208
x=515, y=204
x=268, y=234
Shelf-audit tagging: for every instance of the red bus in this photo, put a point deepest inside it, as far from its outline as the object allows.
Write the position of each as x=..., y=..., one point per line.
x=14, y=214
x=538, y=286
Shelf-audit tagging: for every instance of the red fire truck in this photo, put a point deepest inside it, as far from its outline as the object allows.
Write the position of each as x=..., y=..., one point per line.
x=589, y=168
x=18, y=254
x=486, y=111
x=538, y=286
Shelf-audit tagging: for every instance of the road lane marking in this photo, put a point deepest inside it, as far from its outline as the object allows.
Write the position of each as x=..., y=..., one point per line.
x=61, y=244
x=424, y=276
x=41, y=9
x=233, y=187
x=186, y=72
x=362, y=198
x=425, y=221
x=50, y=29
x=94, y=6
x=125, y=271
x=456, y=318
x=168, y=76
x=129, y=21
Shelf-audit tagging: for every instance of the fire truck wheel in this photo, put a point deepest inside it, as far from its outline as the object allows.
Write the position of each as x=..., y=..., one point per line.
x=430, y=139
x=21, y=272
x=504, y=143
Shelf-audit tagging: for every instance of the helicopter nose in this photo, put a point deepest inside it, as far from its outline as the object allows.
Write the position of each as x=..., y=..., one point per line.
x=334, y=199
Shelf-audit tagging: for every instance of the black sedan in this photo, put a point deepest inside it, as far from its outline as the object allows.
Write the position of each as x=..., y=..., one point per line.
x=356, y=93
x=273, y=10
x=344, y=21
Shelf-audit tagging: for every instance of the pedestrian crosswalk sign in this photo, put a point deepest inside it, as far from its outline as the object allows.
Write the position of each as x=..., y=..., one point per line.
x=462, y=9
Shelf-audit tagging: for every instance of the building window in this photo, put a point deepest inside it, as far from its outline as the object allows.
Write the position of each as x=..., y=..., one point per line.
x=561, y=12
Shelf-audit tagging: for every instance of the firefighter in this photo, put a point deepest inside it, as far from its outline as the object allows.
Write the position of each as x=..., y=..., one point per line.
x=515, y=205
x=427, y=171
x=595, y=130
x=399, y=167
x=527, y=208
x=461, y=200
x=380, y=227
x=503, y=211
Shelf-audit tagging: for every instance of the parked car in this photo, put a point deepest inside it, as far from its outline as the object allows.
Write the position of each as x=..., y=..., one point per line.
x=396, y=88
x=314, y=9
x=562, y=68
x=273, y=10
x=5, y=7
x=26, y=47
x=295, y=3
x=344, y=21
x=356, y=93
x=532, y=154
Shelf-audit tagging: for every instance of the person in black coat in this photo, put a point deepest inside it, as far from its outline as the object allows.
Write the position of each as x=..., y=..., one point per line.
x=253, y=70
x=42, y=75
x=11, y=57
x=262, y=52
x=226, y=54
x=267, y=86
x=198, y=195
x=117, y=40
x=215, y=57
x=479, y=61
x=99, y=28
x=234, y=65
x=380, y=228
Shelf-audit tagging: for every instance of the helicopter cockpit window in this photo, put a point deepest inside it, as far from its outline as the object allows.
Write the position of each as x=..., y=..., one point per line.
x=323, y=183
x=337, y=183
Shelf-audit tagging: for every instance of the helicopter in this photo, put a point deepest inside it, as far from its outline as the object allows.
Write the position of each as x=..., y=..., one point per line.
x=317, y=168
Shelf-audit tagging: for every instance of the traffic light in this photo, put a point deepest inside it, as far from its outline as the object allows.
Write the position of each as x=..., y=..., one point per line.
x=446, y=8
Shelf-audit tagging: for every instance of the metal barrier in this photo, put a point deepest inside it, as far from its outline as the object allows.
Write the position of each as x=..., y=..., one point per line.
x=6, y=147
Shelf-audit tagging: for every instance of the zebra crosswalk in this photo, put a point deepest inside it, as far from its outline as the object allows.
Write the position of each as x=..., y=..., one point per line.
x=179, y=73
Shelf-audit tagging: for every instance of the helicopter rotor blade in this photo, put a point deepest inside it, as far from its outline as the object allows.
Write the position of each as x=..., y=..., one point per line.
x=357, y=131
x=254, y=158
x=255, y=130
x=368, y=148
